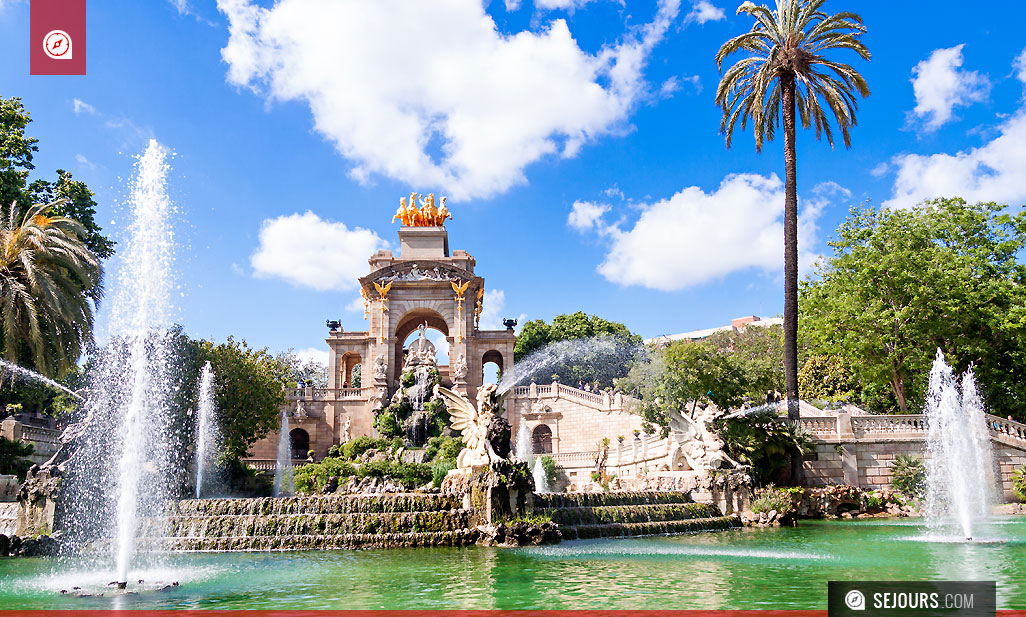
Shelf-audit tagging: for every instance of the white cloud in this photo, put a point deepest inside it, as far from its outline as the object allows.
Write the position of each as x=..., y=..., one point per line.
x=84, y=162
x=355, y=305
x=182, y=6
x=493, y=311
x=695, y=237
x=940, y=86
x=237, y=269
x=991, y=172
x=78, y=106
x=586, y=215
x=432, y=94
x=704, y=11
x=566, y=5
x=313, y=354
x=308, y=251
x=1020, y=66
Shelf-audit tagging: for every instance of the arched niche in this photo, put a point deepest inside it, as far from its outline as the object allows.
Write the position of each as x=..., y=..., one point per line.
x=299, y=442
x=541, y=439
x=408, y=324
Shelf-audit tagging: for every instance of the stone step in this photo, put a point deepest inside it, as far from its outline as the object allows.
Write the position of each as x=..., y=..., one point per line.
x=218, y=526
x=619, y=530
x=546, y=501
x=601, y=515
x=319, y=504
x=458, y=537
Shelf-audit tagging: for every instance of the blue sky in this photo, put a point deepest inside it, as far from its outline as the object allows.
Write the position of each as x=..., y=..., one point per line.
x=577, y=141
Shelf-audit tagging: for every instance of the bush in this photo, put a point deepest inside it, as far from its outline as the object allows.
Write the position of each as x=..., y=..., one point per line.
x=314, y=477
x=908, y=475
x=772, y=500
x=356, y=448
x=14, y=457
x=874, y=502
x=552, y=470
x=439, y=470
x=764, y=442
x=1019, y=483
x=410, y=475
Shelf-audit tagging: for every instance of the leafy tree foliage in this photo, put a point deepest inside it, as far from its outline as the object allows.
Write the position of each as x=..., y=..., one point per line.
x=16, y=152
x=902, y=283
x=758, y=351
x=682, y=375
x=46, y=276
x=296, y=369
x=761, y=440
x=599, y=365
x=249, y=390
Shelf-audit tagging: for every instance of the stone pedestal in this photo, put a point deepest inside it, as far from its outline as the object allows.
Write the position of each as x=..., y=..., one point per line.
x=423, y=243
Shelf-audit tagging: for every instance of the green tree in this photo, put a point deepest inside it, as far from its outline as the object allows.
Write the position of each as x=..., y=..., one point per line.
x=902, y=283
x=249, y=390
x=758, y=352
x=71, y=198
x=681, y=376
x=45, y=316
x=786, y=76
x=598, y=364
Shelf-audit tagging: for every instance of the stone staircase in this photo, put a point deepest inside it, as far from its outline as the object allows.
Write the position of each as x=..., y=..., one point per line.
x=320, y=522
x=622, y=514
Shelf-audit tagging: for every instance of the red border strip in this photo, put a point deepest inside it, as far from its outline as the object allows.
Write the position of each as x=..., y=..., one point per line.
x=431, y=613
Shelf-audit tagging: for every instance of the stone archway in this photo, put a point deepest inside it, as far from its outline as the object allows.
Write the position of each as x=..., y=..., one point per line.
x=299, y=442
x=407, y=324
x=495, y=358
x=541, y=439
x=347, y=362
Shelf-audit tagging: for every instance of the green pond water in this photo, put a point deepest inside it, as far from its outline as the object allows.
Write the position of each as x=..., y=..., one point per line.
x=739, y=569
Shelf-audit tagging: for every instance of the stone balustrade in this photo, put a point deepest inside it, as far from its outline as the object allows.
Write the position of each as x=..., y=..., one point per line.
x=263, y=464
x=329, y=394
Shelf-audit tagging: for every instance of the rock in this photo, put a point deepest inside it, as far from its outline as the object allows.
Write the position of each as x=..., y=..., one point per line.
x=772, y=516
x=5, y=545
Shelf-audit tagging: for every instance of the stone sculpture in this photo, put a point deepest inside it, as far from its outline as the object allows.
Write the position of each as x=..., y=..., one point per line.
x=427, y=215
x=459, y=368
x=422, y=351
x=702, y=448
x=485, y=432
x=380, y=367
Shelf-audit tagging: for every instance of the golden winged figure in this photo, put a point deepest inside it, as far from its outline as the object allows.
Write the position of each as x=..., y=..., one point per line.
x=383, y=290
x=460, y=289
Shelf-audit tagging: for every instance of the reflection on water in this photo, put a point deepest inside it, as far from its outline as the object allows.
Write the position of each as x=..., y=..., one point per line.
x=739, y=569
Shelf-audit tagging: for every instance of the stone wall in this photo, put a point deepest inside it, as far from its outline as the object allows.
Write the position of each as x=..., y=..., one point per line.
x=866, y=462
x=578, y=420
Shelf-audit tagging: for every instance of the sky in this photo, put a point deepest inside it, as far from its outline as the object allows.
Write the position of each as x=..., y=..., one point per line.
x=577, y=142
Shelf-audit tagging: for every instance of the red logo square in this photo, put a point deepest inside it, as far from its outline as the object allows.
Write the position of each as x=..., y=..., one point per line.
x=57, y=37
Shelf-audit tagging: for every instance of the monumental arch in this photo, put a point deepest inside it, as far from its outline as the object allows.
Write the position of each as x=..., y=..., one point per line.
x=426, y=283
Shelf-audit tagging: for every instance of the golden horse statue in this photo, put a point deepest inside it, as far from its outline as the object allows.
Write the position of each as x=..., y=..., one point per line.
x=427, y=215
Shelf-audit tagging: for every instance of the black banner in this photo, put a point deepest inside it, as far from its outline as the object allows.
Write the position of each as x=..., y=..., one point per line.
x=912, y=599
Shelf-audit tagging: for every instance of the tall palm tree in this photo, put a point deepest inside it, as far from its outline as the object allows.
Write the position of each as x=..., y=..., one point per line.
x=45, y=273
x=785, y=72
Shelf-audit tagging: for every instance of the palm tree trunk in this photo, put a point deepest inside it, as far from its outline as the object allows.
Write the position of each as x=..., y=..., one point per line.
x=791, y=270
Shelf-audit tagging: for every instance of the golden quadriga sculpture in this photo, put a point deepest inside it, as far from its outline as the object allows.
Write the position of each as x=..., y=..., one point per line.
x=427, y=215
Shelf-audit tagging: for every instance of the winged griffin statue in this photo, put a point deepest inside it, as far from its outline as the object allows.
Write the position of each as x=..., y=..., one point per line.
x=702, y=448
x=485, y=432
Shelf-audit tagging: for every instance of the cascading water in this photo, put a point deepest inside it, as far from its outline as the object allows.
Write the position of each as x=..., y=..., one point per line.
x=419, y=393
x=126, y=463
x=960, y=462
x=206, y=430
x=541, y=483
x=283, y=468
